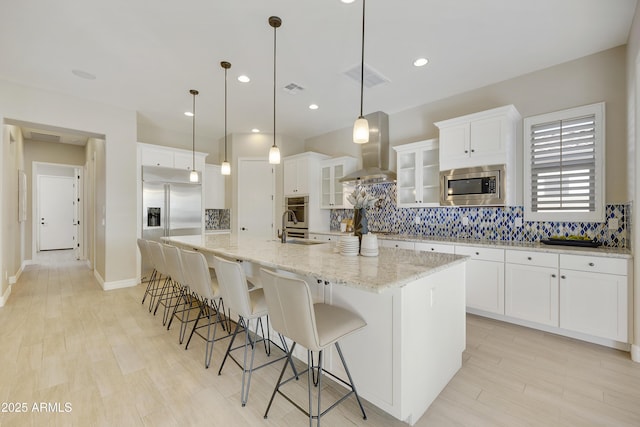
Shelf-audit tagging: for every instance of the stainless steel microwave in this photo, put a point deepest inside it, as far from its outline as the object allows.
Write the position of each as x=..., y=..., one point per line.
x=475, y=186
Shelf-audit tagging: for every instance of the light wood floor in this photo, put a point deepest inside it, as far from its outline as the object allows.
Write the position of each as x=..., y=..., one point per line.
x=64, y=340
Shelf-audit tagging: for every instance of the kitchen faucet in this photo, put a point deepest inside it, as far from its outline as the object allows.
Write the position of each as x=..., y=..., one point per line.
x=283, y=238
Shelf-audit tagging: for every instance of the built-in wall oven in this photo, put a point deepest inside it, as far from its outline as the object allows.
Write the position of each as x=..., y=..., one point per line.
x=299, y=205
x=475, y=186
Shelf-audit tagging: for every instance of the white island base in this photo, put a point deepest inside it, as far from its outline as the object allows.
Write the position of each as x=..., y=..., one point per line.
x=412, y=345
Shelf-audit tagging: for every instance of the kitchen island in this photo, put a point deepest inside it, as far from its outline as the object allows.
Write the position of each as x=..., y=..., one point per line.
x=413, y=303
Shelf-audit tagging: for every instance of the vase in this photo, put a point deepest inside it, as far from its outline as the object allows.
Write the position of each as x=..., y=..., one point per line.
x=360, y=223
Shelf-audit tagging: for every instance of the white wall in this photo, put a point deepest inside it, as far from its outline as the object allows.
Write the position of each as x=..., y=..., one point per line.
x=116, y=195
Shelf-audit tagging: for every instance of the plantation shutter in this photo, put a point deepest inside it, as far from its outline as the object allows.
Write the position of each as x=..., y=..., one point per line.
x=563, y=165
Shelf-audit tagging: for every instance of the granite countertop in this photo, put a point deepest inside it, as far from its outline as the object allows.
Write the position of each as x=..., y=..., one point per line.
x=533, y=246
x=391, y=269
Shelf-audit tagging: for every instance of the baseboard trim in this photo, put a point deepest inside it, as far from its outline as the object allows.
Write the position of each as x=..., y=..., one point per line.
x=635, y=352
x=5, y=297
x=117, y=284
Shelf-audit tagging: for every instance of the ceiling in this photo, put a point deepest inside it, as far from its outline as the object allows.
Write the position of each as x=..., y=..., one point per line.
x=145, y=56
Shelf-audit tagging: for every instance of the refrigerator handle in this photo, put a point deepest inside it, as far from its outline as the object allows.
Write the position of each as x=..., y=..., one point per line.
x=167, y=213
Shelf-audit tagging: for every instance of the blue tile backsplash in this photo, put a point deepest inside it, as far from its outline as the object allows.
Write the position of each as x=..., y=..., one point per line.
x=217, y=219
x=485, y=223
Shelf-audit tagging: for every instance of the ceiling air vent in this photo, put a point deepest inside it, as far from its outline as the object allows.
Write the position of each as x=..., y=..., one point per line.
x=292, y=88
x=372, y=78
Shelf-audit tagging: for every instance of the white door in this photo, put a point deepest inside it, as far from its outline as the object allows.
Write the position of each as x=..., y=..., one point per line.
x=256, y=192
x=57, y=212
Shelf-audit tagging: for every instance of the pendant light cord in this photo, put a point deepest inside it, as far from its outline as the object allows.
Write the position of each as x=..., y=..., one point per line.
x=225, y=114
x=362, y=63
x=274, y=85
x=193, y=131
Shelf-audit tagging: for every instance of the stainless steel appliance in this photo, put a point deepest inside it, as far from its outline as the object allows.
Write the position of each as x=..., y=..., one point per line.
x=300, y=207
x=171, y=205
x=481, y=185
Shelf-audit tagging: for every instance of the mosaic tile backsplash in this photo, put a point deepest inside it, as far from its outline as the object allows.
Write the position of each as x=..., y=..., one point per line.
x=217, y=219
x=484, y=223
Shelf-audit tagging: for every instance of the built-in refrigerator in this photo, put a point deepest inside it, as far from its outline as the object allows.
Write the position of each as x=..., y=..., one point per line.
x=171, y=205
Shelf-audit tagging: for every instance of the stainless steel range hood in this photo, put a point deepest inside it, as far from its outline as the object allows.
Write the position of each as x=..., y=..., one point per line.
x=375, y=154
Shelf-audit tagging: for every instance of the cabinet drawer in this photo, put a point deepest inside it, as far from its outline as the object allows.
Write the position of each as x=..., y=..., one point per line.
x=481, y=253
x=594, y=264
x=540, y=259
x=396, y=244
x=435, y=247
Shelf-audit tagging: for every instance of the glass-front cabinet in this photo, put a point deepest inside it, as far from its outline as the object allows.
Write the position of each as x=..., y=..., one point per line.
x=333, y=193
x=418, y=171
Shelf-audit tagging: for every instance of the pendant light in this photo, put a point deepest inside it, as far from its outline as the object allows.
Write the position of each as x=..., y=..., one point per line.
x=193, y=176
x=274, y=152
x=225, y=168
x=361, y=126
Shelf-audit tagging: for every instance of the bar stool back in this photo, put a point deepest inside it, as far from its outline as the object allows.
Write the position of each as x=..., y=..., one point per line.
x=199, y=280
x=314, y=326
x=182, y=307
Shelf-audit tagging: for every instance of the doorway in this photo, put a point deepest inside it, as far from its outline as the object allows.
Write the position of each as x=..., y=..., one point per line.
x=58, y=207
x=256, y=194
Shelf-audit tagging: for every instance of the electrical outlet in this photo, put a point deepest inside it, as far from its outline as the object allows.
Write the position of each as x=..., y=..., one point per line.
x=612, y=223
x=465, y=220
x=417, y=220
x=518, y=222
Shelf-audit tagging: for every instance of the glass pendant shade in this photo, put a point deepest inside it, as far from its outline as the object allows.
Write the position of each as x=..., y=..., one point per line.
x=225, y=168
x=274, y=155
x=193, y=176
x=361, y=131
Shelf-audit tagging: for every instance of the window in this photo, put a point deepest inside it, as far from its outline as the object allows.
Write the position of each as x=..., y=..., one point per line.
x=564, y=165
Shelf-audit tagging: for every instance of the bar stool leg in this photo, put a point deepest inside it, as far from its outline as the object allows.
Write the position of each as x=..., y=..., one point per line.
x=353, y=386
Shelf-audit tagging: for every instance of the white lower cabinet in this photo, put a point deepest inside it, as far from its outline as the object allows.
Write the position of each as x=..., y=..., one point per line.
x=324, y=237
x=401, y=244
x=435, y=247
x=485, y=278
x=531, y=286
x=594, y=296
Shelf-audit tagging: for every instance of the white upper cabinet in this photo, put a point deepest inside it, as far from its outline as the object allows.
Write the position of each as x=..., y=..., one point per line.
x=418, y=170
x=332, y=192
x=479, y=139
x=157, y=155
x=301, y=173
x=213, y=187
x=151, y=156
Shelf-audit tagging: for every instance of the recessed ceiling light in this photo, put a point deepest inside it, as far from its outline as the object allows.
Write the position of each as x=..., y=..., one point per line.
x=420, y=62
x=313, y=107
x=83, y=74
x=188, y=113
x=255, y=130
x=244, y=79
x=347, y=1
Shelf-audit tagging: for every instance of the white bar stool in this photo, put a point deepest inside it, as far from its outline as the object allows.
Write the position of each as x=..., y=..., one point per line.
x=314, y=326
x=249, y=306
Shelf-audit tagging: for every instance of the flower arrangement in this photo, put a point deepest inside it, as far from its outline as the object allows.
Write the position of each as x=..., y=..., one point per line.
x=362, y=200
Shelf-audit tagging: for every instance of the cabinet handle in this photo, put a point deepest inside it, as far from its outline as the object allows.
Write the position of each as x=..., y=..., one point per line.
x=477, y=253
x=529, y=258
x=563, y=277
x=591, y=264
x=319, y=281
x=466, y=151
x=553, y=275
x=326, y=282
x=473, y=151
